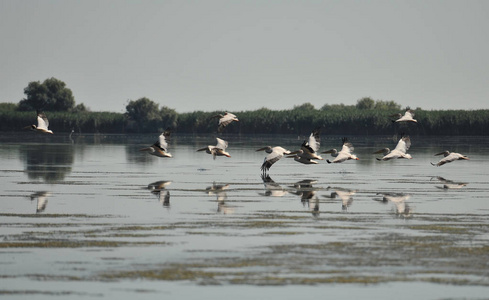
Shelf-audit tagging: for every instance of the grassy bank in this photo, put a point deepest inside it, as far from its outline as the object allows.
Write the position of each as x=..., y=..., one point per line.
x=345, y=121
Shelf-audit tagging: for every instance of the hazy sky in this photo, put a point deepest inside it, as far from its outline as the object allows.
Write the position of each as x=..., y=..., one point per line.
x=244, y=55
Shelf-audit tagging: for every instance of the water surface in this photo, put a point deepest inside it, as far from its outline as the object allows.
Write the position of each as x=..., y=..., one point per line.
x=91, y=216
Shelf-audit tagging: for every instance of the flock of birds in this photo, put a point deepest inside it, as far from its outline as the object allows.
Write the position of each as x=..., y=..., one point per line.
x=308, y=153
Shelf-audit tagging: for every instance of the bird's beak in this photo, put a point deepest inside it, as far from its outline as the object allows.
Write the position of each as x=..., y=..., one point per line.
x=290, y=156
x=465, y=157
x=262, y=149
x=329, y=151
x=380, y=151
x=441, y=153
x=203, y=149
x=357, y=158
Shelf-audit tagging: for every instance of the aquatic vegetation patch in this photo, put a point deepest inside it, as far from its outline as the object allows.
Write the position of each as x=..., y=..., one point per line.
x=441, y=228
x=49, y=216
x=74, y=244
x=170, y=274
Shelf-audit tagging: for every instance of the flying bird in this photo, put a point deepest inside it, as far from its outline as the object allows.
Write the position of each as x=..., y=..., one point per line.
x=160, y=148
x=449, y=157
x=217, y=150
x=399, y=152
x=407, y=117
x=274, y=155
x=225, y=120
x=42, y=124
x=309, y=150
x=344, y=154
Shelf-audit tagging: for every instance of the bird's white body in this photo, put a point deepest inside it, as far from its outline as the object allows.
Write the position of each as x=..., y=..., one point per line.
x=304, y=160
x=274, y=155
x=225, y=120
x=407, y=117
x=345, y=153
x=42, y=124
x=218, y=150
x=160, y=148
x=449, y=157
x=309, y=150
x=399, y=152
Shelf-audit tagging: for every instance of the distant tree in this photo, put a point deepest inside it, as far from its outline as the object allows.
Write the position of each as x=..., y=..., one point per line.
x=145, y=114
x=305, y=106
x=334, y=106
x=169, y=117
x=51, y=95
x=8, y=106
x=387, y=105
x=365, y=103
x=80, y=108
x=142, y=109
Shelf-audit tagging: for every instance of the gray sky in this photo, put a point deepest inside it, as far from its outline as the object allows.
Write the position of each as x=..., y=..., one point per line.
x=244, y=55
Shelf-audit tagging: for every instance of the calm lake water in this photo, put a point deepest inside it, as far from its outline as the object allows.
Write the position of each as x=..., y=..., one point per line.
x=92, y=217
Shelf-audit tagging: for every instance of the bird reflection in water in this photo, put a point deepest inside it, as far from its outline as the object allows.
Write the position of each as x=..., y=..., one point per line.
x=344, y=194
x=221, y=196
x=272, y=189
x=450, y=184
x=42, y=200
x=308, y=194
x=158, y=188
x=399, y=200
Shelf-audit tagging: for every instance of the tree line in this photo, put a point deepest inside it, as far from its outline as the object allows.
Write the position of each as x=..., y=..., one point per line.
x=367, y=117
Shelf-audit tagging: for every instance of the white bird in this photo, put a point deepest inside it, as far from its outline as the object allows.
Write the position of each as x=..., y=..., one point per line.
x=449, y=157
x=225, y=120
x=344, y=154
x=407, y=117
x=217, y=150
x=399, y=152
x=274, y=155
x=42, y=124
x=160, y=148
x=309, y=150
